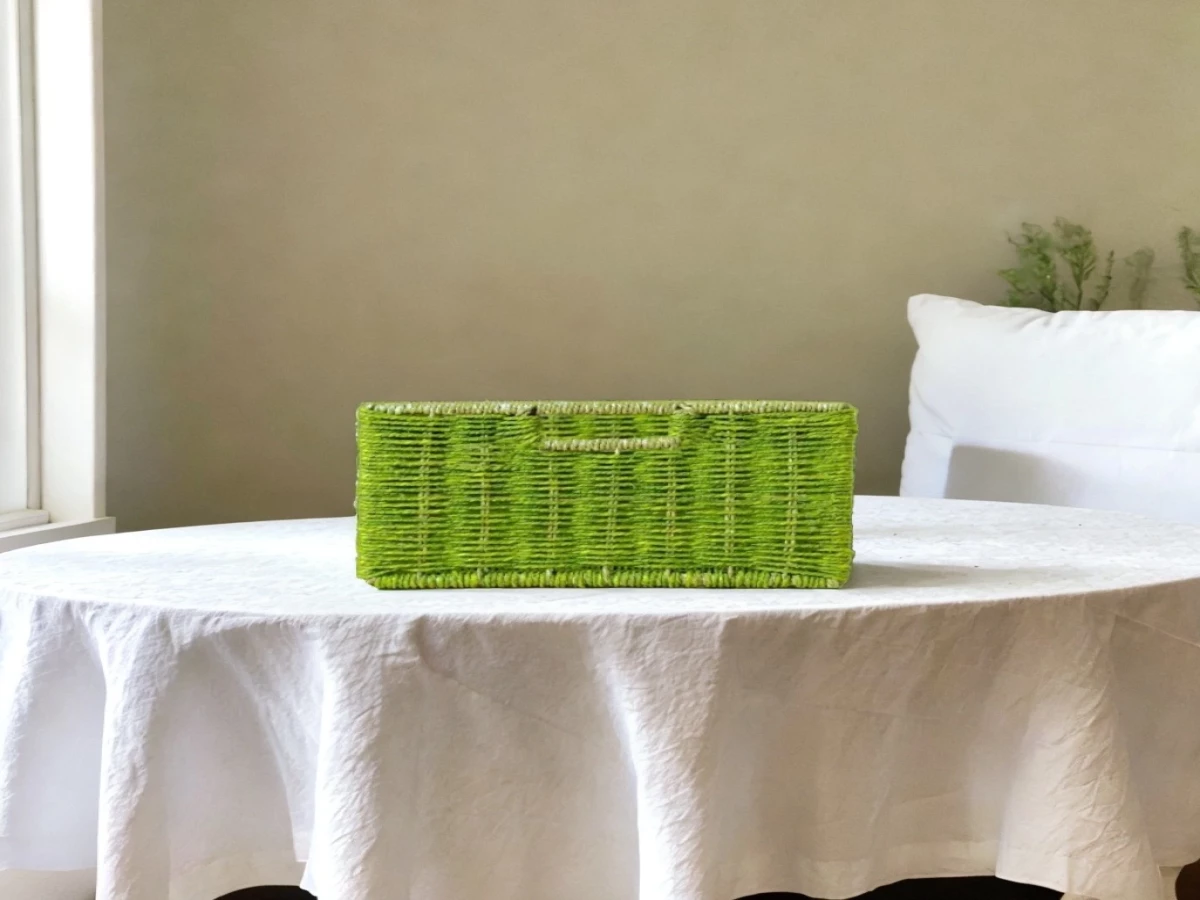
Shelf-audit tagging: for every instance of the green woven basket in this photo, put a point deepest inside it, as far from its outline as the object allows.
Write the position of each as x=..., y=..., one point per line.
x=645, y=494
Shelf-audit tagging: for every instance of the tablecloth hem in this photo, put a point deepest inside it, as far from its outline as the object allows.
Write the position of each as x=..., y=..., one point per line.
x=224, y=875
x=943, y=860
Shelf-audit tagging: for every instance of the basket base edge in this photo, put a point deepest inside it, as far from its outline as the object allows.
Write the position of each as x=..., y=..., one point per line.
x=599, y=578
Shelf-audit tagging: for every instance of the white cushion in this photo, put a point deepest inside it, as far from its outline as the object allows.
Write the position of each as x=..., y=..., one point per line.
x=1092, y=409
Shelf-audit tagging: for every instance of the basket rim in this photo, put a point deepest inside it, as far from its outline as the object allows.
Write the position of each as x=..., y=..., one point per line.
x=592, y=407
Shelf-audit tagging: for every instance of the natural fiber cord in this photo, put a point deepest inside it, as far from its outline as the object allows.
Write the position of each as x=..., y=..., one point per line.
x=619, y=494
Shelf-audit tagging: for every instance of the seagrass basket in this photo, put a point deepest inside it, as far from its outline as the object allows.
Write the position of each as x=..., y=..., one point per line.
x=628, y=494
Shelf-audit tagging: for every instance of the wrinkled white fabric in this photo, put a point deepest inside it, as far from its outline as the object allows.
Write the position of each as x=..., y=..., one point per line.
x=1001, y=688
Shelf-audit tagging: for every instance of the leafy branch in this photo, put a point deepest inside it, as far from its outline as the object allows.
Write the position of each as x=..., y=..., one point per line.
x=1055, y=269
x=1189, y=251
x=1141, y=262
x=1077, y=248
x=1034, y=280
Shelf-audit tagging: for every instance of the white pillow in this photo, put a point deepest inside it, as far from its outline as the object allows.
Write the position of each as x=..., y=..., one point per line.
x=1092, y=409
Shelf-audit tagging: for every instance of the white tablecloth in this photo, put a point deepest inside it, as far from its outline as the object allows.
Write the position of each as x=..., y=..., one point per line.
x=1000, y=689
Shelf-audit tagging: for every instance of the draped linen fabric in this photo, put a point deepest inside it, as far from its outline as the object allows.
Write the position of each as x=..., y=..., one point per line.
x=1000, y=689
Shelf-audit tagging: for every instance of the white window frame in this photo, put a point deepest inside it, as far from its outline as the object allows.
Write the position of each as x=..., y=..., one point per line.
x=58, y=269
x=20, y=478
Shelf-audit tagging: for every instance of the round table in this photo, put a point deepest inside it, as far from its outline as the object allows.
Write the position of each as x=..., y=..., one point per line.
x=1000, y=689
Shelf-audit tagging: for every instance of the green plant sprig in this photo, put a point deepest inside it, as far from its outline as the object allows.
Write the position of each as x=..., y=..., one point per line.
x=1033, y=281
x=1037, y=280
x=1189, y=252
x=1141, y=262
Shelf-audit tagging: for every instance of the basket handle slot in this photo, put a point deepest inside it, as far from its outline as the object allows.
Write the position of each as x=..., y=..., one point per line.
x=612, y=445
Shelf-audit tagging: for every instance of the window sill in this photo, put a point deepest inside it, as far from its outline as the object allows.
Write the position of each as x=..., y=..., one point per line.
x=16, y=538
x=23, y=518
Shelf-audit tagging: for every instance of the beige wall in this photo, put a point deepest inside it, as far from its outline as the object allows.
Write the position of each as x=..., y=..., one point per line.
x=313, y=203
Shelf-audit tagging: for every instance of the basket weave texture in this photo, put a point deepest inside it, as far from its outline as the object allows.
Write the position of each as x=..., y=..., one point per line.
x=628, y=494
